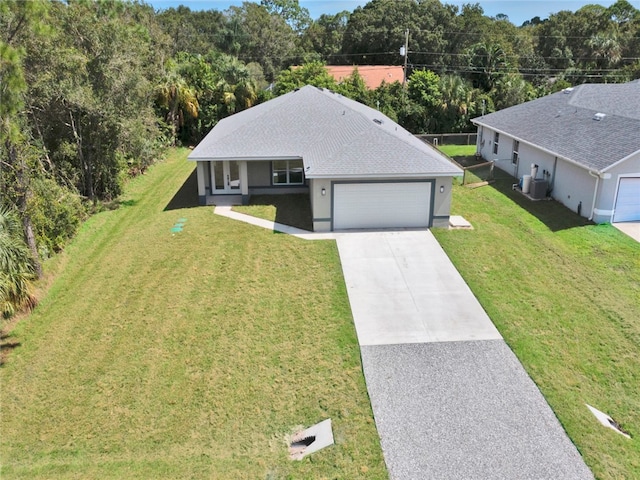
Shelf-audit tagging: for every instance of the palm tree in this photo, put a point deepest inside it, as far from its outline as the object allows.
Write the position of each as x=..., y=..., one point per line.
x=236, y=87
x=606, y=48
x=178, y=99
x=457, y=102
x=17, y=268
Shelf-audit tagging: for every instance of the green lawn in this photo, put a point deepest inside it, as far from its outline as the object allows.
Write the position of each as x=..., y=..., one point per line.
x=192, y=354
x=565, y=294
x=293, y=210
x=458, y=150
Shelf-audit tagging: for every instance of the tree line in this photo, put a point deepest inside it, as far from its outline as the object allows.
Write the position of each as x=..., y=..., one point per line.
x=92, y=92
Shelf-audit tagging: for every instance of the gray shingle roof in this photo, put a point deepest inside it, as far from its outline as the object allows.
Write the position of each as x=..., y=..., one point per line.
x=563, y=123
x=335, y=136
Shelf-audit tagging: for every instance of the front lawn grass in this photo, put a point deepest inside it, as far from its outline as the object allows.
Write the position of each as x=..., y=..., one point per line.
x=191, y=354
x=292, y=209
x=565, y=294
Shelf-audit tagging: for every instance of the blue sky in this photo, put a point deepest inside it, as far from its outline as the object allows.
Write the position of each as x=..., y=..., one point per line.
x=517, y=10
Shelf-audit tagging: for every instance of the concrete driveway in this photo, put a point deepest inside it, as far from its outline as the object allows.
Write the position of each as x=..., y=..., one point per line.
x=630, y=228
x=450, y=399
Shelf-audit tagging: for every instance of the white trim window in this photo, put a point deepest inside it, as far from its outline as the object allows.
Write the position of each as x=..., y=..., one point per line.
x=496, y=140
x=515, y=155
x=287, y=172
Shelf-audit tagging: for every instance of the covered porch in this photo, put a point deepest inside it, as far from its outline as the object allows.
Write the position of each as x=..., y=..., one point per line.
x=233, y=181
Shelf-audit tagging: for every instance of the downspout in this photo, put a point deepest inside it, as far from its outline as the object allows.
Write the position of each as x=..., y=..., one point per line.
x=595, y=193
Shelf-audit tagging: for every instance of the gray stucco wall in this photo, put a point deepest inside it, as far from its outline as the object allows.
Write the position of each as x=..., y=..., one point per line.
x=259, y=174
x=321, y=204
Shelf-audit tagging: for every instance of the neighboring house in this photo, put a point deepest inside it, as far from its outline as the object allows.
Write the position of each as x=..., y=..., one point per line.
x=585, y=141
x=361, y=169
x=373, y=75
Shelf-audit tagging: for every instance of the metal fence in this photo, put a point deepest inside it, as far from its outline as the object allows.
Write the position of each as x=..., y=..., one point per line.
x=436, y=139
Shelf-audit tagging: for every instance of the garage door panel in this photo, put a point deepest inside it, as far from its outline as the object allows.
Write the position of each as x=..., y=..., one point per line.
x=381, y=205
x=627, y=207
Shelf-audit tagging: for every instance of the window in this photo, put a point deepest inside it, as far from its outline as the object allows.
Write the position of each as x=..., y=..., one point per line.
x=496, y=139
x=514, y=156
x=288, y=172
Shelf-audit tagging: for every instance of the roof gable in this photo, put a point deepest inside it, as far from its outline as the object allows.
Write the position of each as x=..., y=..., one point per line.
x=566, y=125
x=335, y=136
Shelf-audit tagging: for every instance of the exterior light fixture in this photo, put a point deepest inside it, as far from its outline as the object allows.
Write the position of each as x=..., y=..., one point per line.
x=441, y=188
x=323, y=191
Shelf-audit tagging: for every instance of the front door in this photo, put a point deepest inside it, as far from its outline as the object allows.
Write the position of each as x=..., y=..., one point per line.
x=225, y=176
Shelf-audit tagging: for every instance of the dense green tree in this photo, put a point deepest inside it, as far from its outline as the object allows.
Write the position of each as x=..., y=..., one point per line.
x=420, y=112
x=324, y=37
x=354, y=87
x=290, y=11
x=376, y=32
x=194, y=31
x=389, y=98
x=265, y=38
x=90, y=97
x=311, y=73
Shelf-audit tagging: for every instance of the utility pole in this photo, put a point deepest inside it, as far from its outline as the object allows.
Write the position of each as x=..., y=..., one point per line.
x=405, y=51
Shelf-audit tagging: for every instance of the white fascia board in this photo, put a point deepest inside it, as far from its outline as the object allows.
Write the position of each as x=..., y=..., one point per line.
x=542, y=149
x=637, y=152
x=221, y=159
x=385, y=176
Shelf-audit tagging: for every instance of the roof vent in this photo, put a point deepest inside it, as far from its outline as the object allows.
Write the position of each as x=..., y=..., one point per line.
x=599, y=116
x=378, y=121
x=568, y=90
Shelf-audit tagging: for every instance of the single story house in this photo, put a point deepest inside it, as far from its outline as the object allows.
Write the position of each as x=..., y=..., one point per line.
x=360, y=169
x=585, y=142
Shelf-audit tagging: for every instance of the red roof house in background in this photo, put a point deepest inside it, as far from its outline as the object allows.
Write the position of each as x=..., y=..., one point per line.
x=373, y=75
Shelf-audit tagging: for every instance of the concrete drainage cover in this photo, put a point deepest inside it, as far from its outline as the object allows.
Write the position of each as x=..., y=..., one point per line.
x=607, y=421
x=311, y=440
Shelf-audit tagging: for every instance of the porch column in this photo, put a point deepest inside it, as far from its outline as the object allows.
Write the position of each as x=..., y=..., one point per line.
x=244, y=182
x=201, y=172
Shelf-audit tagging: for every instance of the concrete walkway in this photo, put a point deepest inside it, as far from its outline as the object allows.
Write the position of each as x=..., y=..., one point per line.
x=450, y=399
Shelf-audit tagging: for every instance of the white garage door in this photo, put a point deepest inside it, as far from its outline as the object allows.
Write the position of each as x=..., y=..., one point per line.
x=628, y=200
x=381, y=205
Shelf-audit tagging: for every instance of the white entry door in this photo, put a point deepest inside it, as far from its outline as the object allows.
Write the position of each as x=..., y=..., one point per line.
x=225, y=176
x=381, y=205
x=627, y=207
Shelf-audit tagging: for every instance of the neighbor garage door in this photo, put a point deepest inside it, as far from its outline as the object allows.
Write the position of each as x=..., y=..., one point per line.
x=381, y=205
x=628, y=200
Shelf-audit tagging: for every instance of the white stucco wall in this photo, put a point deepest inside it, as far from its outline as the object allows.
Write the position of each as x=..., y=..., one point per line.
x=572, y=184
x=574, y=187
